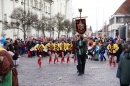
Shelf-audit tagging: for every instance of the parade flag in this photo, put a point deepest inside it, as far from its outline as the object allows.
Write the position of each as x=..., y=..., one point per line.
x=81, y=26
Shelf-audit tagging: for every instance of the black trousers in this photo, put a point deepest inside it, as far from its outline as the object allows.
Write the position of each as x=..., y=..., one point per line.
x=124, y=85
x=81, y=63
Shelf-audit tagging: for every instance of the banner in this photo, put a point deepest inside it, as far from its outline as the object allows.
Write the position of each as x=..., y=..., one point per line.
x=81, y=26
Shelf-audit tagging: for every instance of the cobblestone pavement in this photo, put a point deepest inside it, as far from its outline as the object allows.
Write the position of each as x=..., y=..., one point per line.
x=96, y=73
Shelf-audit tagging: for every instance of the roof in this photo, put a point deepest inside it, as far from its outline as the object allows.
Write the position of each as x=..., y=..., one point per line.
x=123, y=9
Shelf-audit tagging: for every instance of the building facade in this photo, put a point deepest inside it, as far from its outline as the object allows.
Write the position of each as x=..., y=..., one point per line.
x=119, y=18
x=47, y=8
x=115, y=22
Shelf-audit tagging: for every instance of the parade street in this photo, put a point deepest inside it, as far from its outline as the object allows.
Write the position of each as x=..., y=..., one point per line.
x=96, y=73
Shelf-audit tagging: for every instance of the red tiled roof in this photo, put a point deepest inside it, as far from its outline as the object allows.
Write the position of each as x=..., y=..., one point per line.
x=123, y=8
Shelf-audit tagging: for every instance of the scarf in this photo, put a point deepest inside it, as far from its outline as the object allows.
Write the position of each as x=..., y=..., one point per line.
x=80, y=49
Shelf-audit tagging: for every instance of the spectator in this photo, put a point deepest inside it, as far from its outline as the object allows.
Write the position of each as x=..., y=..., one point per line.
x=124, y=67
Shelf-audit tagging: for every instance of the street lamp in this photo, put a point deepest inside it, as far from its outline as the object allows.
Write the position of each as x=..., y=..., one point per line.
x=51, y=18
x=22, y=2
x=80, y=11
x=16, y=1
x=80, y=23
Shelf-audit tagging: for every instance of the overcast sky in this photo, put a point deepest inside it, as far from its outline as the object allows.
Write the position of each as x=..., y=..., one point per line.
x=105, y=8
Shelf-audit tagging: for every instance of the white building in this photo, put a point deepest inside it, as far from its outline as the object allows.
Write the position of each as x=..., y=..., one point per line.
x=48, y=8
x=119, y=18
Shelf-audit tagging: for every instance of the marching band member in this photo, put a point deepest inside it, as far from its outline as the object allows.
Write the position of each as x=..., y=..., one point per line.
x=68, y=50
x=56, y=50
x=62, y=50
x=39, y=48
x=50, y=47
x=112, y=47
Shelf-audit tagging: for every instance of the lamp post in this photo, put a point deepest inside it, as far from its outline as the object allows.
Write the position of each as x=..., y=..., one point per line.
x=80, y=11
x=51, y=17
x=80, y=23
x=66, y=9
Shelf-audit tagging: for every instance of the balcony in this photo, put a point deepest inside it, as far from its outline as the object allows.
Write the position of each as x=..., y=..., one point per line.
x=114, y=26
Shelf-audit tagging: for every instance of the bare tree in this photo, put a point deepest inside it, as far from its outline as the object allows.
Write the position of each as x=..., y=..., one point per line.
x=73, y=26
x=21, y=20
x=50, y=26
x=41, y=25
x=68, y=26
x=58, y=20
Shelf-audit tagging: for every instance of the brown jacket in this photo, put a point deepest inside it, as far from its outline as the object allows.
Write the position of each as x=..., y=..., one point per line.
x=7, y=65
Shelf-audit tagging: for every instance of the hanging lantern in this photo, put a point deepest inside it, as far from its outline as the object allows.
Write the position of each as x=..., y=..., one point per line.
x=22, y=2
x=16, y=1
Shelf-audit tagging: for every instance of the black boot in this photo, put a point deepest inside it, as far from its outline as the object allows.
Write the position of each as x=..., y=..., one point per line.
x=77, y=68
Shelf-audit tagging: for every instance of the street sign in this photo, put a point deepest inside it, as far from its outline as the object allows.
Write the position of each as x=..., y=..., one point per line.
x=81, y=26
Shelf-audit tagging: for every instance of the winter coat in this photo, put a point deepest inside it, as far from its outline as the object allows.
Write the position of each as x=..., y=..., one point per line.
x=78, y=47
x=118, y=74
x=124, y=66
x=119, y=51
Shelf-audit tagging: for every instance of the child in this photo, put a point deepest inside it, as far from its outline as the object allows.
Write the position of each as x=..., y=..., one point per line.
x=102, y=51
x=90, y=51
x=96, y=50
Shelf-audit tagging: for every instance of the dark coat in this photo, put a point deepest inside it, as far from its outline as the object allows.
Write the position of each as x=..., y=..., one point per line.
x=73, y=47
x=8, y=65
x=16, y=52
x=10, y=47
x=77, y=47
x=124, y=66
x=118, y=74
x=118, y=53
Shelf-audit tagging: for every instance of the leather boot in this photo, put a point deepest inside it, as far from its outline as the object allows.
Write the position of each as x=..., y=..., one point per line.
x=50, y=59
x=54, y=60
x=110, y=63
x=67, y=59
x=62, y=59
x=57, y=59
x=40, y=64
x=114, y=63
x=74, y=59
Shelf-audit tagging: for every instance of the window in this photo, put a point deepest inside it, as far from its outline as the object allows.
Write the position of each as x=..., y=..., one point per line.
x=36, y=3
x=5, y=17
x=128, y=19
x=44, y=8
x=48, y=9
x=41, y=6
x=28, y=2
x=31, y=2
x=120, y=20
